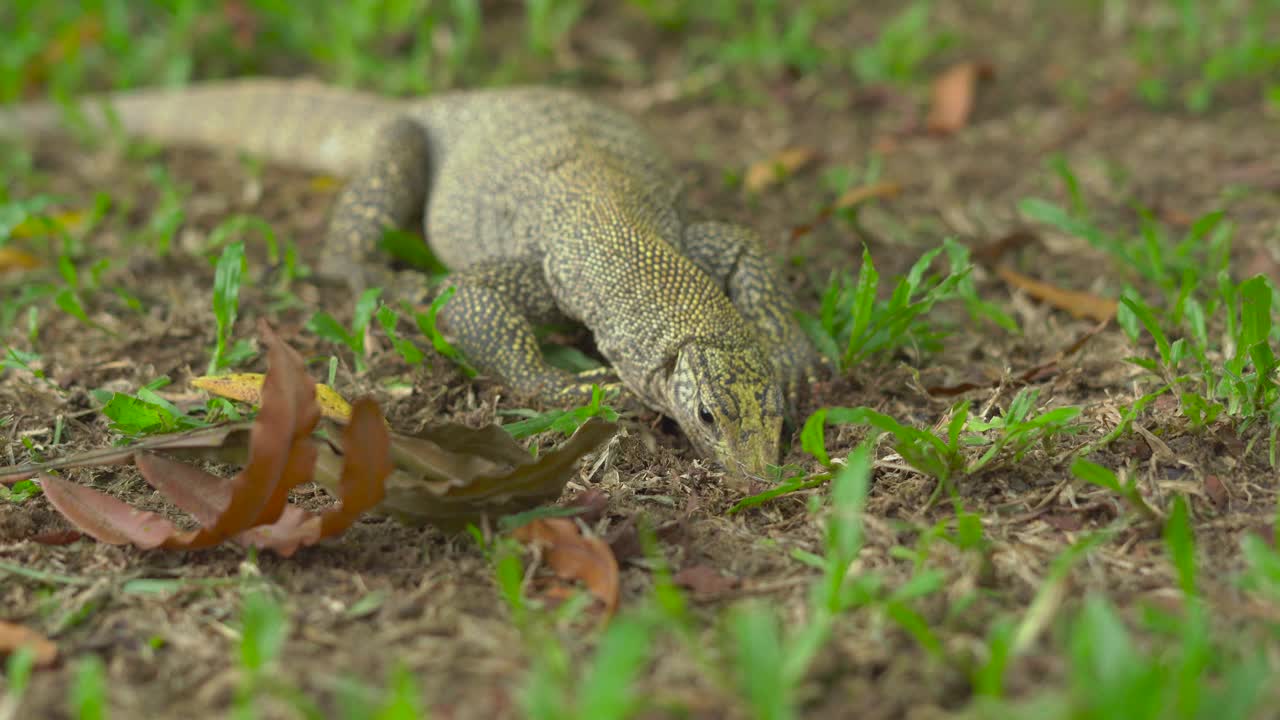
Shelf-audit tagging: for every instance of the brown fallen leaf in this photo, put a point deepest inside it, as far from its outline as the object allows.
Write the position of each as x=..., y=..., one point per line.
x=281, y=456
x=593, y=504
x=862, y=193
x=1064, y=521
x=1217, y=491
x=15, y=637
x=849, y=198
x=56, y=537
x=991, y=253
x=953, y=96
x=11, y=258
x=705, y=581
x=250, y=508
x=573, y=556
x=773, y=170
x=1075, y=302
x=367, y=465
x=227, y=444
x=449, y=475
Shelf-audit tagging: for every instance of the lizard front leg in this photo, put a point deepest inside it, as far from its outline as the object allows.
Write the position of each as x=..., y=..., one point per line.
x=733, y=256
x=490, y=319
x=389, y=193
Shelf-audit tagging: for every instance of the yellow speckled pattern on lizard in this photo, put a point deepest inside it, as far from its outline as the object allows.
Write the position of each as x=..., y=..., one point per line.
x=547, y=206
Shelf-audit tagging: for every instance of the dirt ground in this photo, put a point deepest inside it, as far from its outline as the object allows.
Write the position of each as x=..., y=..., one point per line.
x=173, y=654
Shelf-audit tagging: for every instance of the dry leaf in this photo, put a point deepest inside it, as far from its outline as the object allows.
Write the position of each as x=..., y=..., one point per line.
x=465, y=475
x=281, y=456
x=247, y=387
x=775, y=169
x=250, y=508
x=41, y=225
x=858, y=195
x=365, y=469
x=705, y=580
x=450, y=475
x=11, y=258
x=56, y=537
x=14, y=637
x=991, y=253
x=575, y=557
x=324, y=183
x=1217, y=491
x=224, y=443
x=593, y=504
x=849, y=198
x=953, y=96
x=1079, y=304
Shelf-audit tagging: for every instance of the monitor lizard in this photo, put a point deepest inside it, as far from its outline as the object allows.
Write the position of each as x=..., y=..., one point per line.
x=547, y=206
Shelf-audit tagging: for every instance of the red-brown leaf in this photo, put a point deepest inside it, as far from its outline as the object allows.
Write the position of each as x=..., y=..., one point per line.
x=57, y=537
x=365, y=468
x=295, y=528
x=366, y=465
x=202, y=494
x=105, y=518
x=14, y=637
x=575, y=557
x=705, y=580
x=281, y=455
x=953, y=96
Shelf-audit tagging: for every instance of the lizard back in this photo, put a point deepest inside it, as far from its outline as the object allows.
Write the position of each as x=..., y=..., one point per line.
x=490, y=150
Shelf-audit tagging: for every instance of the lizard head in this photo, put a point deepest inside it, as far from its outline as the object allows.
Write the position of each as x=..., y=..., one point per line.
x=728, y=401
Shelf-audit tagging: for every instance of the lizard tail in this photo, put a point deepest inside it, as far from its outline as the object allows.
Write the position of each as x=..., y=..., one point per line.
x=301, y=123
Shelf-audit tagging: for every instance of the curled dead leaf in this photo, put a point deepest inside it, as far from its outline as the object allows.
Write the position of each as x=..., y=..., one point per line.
x=280, y=456
x=1075, y=302
x=450, y=475
x=773, y=170
x=953, y=96
x=574, y=556
x=14, y=637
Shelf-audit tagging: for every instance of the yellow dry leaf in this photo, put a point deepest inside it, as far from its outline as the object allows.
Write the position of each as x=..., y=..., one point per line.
x=862, y=193
x=324, y=183
x=37, y=225
x=774, y=169
x=247, y=387
x=14, y=259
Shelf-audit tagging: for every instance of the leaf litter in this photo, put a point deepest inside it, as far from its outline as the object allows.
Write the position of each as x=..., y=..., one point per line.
x=449, y=475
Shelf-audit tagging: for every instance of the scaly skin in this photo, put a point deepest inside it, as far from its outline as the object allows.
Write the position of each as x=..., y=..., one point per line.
x=548, y=207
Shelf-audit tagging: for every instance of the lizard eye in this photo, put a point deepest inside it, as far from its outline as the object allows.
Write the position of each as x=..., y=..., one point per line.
x=704, y=414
